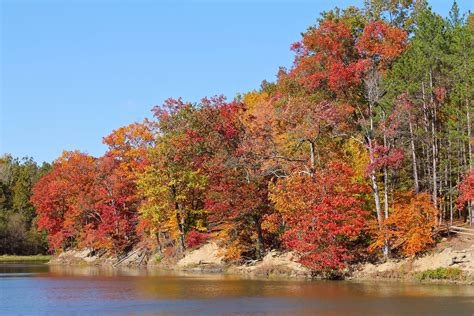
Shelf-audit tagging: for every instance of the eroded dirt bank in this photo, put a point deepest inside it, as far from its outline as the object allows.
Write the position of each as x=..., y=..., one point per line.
x=454, y=254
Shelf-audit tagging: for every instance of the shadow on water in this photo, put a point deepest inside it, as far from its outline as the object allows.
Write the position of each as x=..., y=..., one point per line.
x=42, y=289
x=12, y=268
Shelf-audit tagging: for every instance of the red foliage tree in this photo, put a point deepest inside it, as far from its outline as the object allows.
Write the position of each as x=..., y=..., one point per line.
x=326, y=58
x=195, y=239
x=381, y=43
x=323, y=215
x=237, y=195
x=466, y=189
x=117, y=208
x=466, y=195
x=86, y=202
x=334, y=55
x=65, y=198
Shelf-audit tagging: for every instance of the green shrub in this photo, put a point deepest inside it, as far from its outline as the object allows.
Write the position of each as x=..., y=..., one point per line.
x=158, y=257
x=441, y=274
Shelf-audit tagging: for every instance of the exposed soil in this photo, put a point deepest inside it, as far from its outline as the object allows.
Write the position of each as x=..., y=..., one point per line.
x=454, y=252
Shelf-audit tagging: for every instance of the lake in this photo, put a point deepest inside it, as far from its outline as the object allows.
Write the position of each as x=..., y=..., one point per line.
x=38, y=289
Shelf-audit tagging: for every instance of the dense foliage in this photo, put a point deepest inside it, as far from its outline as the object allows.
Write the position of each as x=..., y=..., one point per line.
x=18, y=230
x=362, y=145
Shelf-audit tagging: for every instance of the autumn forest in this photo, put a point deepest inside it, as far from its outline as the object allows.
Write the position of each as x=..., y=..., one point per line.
x=361, y=150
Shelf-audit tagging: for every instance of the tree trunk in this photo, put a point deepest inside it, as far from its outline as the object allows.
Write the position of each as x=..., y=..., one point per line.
x=260, y=242
x=413, y=155
x=375, y=187
x=378, y=209
x=180, y=220
x=385, y=180
x=312, y=159
x=470, y=207
x=428, y=138
x=450, y=184
x=375, y=190
x=433, y=145
x=469, y=135
x=385, y=191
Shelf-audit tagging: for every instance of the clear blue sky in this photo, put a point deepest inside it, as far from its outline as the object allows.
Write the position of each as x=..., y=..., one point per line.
x=72, y=71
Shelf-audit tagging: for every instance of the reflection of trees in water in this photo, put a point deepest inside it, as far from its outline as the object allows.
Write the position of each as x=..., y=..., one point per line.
x=9, y=268
x=87, y=270
x=97, y=290
x=159, y=284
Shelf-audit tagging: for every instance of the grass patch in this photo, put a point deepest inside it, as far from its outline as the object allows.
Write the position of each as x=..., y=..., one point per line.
x=10, y=258
x=158, y=258
x=454, y=274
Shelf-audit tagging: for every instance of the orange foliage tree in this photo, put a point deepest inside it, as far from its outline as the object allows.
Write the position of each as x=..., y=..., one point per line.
x=129, y=145
x=410, y=225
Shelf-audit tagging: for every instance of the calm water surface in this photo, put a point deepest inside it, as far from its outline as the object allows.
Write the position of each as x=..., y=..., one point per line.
x=38, y=289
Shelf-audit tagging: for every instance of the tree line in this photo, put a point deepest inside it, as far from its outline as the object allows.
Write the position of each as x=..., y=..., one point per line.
x=362, y=148
x=18, y=231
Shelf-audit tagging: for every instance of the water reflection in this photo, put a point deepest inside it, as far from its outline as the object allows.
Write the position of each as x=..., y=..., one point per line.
x=43, y=289
x=10, y=268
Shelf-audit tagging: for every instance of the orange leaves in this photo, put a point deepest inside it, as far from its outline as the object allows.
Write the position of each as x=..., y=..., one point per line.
x=382, y=43
x=410, y=225
x=333, y=35
x=130, y=144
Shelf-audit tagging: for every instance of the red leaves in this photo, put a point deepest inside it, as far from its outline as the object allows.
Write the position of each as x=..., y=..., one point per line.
x=63, y=196
x=170, y=106
x=332, y=37
x=334, y=56
x=466, y=190
x=194, y=136
x=323, y=215
x=440, y=93
x=86, y=201
x=383, y=156
x=326, y=58
x=388, y=156
x=381, y=43
x=195, y=239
